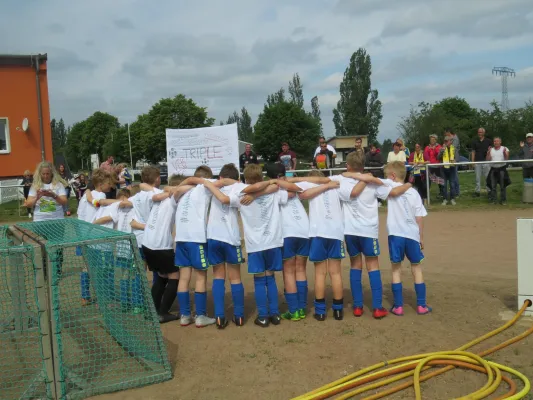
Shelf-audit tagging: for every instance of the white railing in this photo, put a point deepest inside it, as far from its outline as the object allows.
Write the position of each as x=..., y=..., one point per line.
x=10, y=190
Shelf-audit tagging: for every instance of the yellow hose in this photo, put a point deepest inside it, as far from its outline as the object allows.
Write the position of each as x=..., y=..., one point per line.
x=418, y=363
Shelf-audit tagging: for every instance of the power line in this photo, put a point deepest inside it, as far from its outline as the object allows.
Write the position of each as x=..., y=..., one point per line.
x=504, y=72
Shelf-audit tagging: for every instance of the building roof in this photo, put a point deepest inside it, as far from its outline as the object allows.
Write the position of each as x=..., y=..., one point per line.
x=22, y=60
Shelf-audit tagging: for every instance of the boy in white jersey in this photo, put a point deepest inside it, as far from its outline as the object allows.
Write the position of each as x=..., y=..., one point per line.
x=295, y=228
x=158, y=247
x=405, y=229
x=102, y=182
x=361, y=229
x=191, y=246
x=263, y=237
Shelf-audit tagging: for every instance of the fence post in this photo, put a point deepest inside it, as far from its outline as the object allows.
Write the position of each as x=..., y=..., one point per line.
x=427, y=186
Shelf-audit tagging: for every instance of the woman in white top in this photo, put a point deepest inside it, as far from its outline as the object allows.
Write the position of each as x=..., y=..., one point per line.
x=47, y=194
x=397, y=154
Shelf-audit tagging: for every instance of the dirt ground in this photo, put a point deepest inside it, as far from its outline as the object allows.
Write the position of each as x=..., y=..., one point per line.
x=471, y=275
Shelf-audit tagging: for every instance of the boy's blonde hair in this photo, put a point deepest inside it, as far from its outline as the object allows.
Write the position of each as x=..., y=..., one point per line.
x=203, y=171
x=396, y=167
x=100, y=176
x=149, y=174
x=124, y=193
x=356, y=161
x=175, y=180
x=316, y=173
x=134, y=189
x=253, y=173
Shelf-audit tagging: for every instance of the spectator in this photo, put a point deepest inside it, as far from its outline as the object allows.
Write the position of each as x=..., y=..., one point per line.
x=330, y=148
x=498, y=174
x=418, y=163
x=447, y=156
x=288, y=158
x=358, y=148
x=457, y=146
x=83, y=186
x=374, y=160
x=108, y=166
x=65, y=175
x=480, y=147
x=248, y=157
x=431, y=155
x=396, y=154
x=407, y=155
x=27, y=181
x=124, y=176
x=324, y=158
x=526, y=153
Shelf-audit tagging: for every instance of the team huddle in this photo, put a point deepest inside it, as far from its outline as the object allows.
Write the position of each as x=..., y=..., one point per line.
x=192, y=226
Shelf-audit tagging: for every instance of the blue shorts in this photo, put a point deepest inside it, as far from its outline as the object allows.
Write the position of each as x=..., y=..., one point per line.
x=360, y=244
x=190, y=254
x=78, y=251
x=400, y=247
x=265, y=260
x=221, y=252
x=323, y=249
x=295, y=246
x=141, y=252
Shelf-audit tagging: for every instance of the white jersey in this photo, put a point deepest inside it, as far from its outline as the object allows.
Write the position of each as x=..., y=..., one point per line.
x=191, y=215
x=158, y=230
x=86, y=211
x=47, y=208
x=106, y=211
x=142, y=204
x=261, y=221
x=361, y=216
x=122, y=218
x=402, y=212
x=223, y=223
x=325, y=212
x=294, y=219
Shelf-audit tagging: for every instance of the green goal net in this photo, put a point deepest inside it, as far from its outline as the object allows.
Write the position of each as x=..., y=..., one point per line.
x=104, y=331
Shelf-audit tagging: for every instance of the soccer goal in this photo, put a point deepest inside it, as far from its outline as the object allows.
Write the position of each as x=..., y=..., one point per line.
x=76, y=315
x=524, y=241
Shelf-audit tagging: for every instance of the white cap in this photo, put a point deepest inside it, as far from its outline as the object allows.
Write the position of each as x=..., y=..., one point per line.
x=529, y=134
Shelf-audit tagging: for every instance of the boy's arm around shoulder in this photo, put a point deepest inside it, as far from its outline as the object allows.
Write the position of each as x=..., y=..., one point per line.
x=399, y=190
x=216, y=192
x=259, y=186
x=318, y=180
x=137, y=225
x=181, y=190
x=103, y=220
x=314, y=192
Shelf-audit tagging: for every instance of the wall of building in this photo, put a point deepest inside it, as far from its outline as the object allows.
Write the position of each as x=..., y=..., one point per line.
x=18, y=100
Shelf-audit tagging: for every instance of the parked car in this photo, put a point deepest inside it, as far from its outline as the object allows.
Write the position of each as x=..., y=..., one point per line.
x=463, y=167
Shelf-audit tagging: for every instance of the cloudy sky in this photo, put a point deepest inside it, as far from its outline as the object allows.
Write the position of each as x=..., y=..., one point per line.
x=122, y=56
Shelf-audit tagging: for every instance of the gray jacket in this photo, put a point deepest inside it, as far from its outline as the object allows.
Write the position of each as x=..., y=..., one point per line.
x=526, y=153
x=456, y=145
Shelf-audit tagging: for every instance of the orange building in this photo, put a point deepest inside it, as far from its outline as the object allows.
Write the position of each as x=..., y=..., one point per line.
x=25, y=133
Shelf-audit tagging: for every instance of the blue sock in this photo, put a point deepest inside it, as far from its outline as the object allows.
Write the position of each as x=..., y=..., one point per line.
x=357, y=287
x=272, y=294
x=320, y=306
x=200, y=300
x=292, y=301
x=124, y=291
x=338, y=304
x=218, y=296
x=136, y=288
x=397, y=292
x=301, y=287
x=85, y=283
x=420, y=289
x=154, y=277
x=261, y=296
x=377, y=289
x=184, y=301
x=237, y=294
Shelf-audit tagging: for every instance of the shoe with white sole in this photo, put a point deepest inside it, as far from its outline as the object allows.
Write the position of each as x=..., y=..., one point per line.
x=185, y=320
x=444, y=202
x=453, y=202
x=202, y=321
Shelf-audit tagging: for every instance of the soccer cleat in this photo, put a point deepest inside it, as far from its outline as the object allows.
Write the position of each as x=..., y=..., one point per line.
x=398, y=311
x=379, y=313
x=221, y=322
x=320, y=317
x=338, y=315
x=185, y=320
x=423, y=310
x=164, y=318
x=302, y=313
x=291, y=316
x=202, y=321
x=275, y=319
x=239, y=321
x=358, y=311
x=86, y=302
x=262, y=322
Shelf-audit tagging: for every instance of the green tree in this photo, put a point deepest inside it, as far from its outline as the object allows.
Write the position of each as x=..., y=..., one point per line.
x=285, y=121
x=358, y=110
x=75, y=147
x=59, y=136
x=178, y=113
x=96, y=129
x=296, y=91
x=276, y=97
x=246, y=131
x=315, y=112
x=386, y=147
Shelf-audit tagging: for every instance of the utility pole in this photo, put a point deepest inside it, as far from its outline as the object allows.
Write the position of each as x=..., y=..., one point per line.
x=504, y=72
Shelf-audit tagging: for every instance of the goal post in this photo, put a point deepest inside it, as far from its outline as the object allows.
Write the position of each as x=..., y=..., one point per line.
x=524, y=241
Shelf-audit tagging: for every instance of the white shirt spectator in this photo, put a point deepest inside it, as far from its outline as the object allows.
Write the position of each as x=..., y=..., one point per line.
x=498, y=155
x=396, y=157
x=330, y=148
x=47, y=208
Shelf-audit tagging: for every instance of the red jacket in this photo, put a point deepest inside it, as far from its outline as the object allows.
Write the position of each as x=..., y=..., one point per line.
x=432, y=154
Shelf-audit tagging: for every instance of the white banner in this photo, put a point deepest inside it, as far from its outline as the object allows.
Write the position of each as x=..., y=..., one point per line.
x=213, y=146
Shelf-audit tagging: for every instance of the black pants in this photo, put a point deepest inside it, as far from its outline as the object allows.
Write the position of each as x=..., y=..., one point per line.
x=112, y=194
x=497, y=177
x=26, y=190
x=420, y=185
x=527, y=172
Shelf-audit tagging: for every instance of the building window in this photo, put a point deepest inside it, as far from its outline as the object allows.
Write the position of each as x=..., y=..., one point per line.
x=5, y=146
